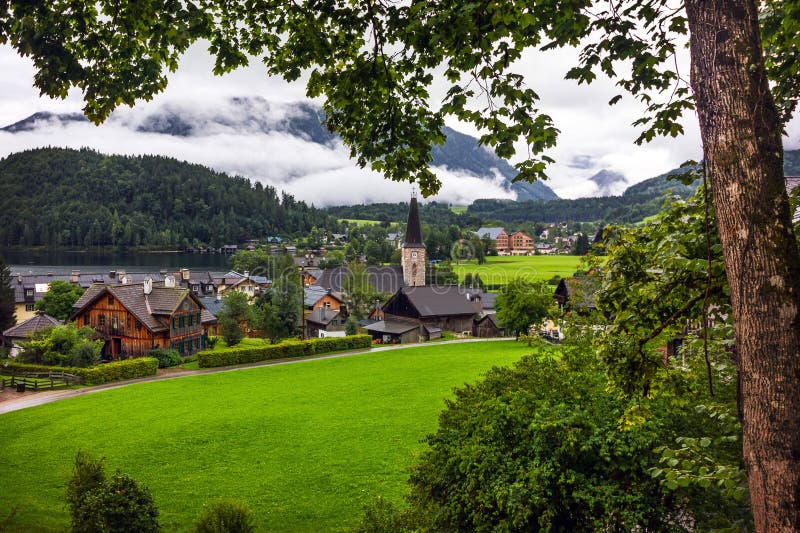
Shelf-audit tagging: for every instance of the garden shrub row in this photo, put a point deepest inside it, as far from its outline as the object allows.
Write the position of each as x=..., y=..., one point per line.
x=95, y=375
x=283, y=350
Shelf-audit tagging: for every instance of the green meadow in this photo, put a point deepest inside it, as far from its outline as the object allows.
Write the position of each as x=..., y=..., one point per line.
x=499, y=270
x=305, y=445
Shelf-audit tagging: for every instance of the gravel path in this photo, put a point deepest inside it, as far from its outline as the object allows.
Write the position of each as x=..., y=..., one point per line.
x=40, y=398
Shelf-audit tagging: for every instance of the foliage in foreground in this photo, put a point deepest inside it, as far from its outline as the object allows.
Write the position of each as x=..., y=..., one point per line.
x=225, y=517
x=546, y=446
x=100, y=504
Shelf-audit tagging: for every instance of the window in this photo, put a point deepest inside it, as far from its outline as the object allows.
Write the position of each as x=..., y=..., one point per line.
x=174, y=322
x=198, y=318
x=191, y=320
x=110, y=300
x=129, y=322
x=181, y=323
x=138, y=325
x=28, y=293
x=197, y=343
x=180, y=346
x=86, y=320
x=29, y=308
x=101, y=320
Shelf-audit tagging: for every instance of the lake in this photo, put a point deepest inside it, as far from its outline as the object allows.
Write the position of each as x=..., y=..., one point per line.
x=62, y=262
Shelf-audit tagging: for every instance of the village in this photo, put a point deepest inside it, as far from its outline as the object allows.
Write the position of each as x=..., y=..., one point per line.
x=135, y=312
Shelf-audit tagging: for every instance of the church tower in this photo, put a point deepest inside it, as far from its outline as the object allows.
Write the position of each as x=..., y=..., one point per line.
x=413, y=253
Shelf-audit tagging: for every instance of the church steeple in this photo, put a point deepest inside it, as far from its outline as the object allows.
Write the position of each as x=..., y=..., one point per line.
x=413, y=235
x=413, y=253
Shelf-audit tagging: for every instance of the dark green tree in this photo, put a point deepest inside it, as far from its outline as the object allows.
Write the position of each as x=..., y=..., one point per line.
x=277, y=311
x=7, y=310
x=360, y=294
x=522, y=304
x=234, y=316
x=59, y=299
x=582, y=245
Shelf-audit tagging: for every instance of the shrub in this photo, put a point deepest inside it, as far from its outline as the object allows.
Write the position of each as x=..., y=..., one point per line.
x=225, y=517
x=211, y=342
x=166, y=358
x=381, y=516
x=240, y=356
x=97, y=504
x=95, y=375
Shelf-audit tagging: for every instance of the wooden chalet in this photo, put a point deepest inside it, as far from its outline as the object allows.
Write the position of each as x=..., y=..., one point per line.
x=23, y=330
x=422, y=313
x=137, y=317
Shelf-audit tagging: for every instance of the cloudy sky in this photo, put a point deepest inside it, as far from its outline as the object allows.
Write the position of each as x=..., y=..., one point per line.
x=594, y=137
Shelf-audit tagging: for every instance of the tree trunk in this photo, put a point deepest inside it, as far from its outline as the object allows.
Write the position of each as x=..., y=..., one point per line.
x=742, y=147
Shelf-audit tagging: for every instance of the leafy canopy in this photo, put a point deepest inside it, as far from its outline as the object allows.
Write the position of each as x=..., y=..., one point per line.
x=373, y=62
x=59, y=299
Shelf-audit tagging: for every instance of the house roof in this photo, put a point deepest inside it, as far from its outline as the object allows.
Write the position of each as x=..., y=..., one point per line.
x=385, y=279
x=492, y=232
x=491, y=318
x=394, y=327
x=322, y=316
x=212, y=304
x=312, y=294
x=431, y=301
x=32, y=325
x=413, y=229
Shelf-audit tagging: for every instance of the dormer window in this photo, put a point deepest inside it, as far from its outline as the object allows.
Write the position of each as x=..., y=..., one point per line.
x=28, y=293
x=110, y=300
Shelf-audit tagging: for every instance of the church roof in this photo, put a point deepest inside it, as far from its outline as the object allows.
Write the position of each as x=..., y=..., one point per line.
x=432, y=301
x=413, y=228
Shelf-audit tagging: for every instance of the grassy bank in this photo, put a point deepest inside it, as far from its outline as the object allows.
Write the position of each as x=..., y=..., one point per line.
x=305, y=445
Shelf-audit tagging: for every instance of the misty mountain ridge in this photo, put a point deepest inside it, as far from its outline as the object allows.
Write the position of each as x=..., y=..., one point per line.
x=460, y=153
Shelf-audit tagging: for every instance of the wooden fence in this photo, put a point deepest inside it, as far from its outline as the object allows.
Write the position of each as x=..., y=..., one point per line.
x=37, y=381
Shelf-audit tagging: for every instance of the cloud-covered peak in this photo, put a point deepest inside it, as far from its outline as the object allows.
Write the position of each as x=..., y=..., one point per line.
x=283, y=144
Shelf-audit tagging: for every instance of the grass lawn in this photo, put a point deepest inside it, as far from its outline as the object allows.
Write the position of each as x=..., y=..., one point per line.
x=458, y=209
x=500, y=270
x=305, y=445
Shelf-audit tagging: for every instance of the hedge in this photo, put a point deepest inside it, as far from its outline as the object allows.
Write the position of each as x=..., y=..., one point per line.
x=283, y=350
x=94, y=375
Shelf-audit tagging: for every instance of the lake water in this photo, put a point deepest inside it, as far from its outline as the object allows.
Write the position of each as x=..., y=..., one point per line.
x=61, y=262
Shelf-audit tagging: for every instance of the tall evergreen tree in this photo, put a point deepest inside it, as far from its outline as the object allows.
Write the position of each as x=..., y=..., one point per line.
x=7, y=314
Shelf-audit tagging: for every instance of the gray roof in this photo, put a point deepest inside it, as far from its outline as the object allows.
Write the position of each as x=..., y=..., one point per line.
x=492, y=232
x=322, y=316
x=385, y=279
x=32, y=325
x=212, y=305
x=312, y=294
x=437, y=300
x=20, y=282
x=395, y=327
x=413, y=237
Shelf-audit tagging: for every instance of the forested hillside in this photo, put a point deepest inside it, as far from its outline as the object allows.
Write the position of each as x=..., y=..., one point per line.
x=62, y=197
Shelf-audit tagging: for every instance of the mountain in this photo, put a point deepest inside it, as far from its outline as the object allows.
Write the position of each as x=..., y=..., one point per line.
x=64, y=197
x=303, y=121
x=608, y=182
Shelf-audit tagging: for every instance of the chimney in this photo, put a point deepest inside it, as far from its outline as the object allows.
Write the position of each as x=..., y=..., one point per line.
x=120, y=274
x=246, y=274
x=49, y=274
x=147, y=285
x=169, y=282
x=112, y=274
x=75, y=276
x=19, y=278
x=185, y=275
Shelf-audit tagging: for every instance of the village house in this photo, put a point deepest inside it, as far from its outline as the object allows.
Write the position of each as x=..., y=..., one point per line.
x=498, y=236
x=134, y=318
x=520, y=243
x=23, y=330
x=252, y=286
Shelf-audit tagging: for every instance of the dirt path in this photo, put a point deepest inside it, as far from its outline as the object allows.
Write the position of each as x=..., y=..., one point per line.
x=11, y=400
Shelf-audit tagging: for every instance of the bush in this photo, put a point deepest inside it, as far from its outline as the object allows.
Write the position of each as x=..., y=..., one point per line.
x=96, y=375
x=166, y=358
x=381, y=517
x=97, y=504
x=225, y=517
x=240, y=356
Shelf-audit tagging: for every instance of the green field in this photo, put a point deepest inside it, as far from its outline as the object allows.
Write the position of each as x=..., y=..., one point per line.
x=305, y=445
x=458, y=209
x=501, y=270
x=360, y=222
